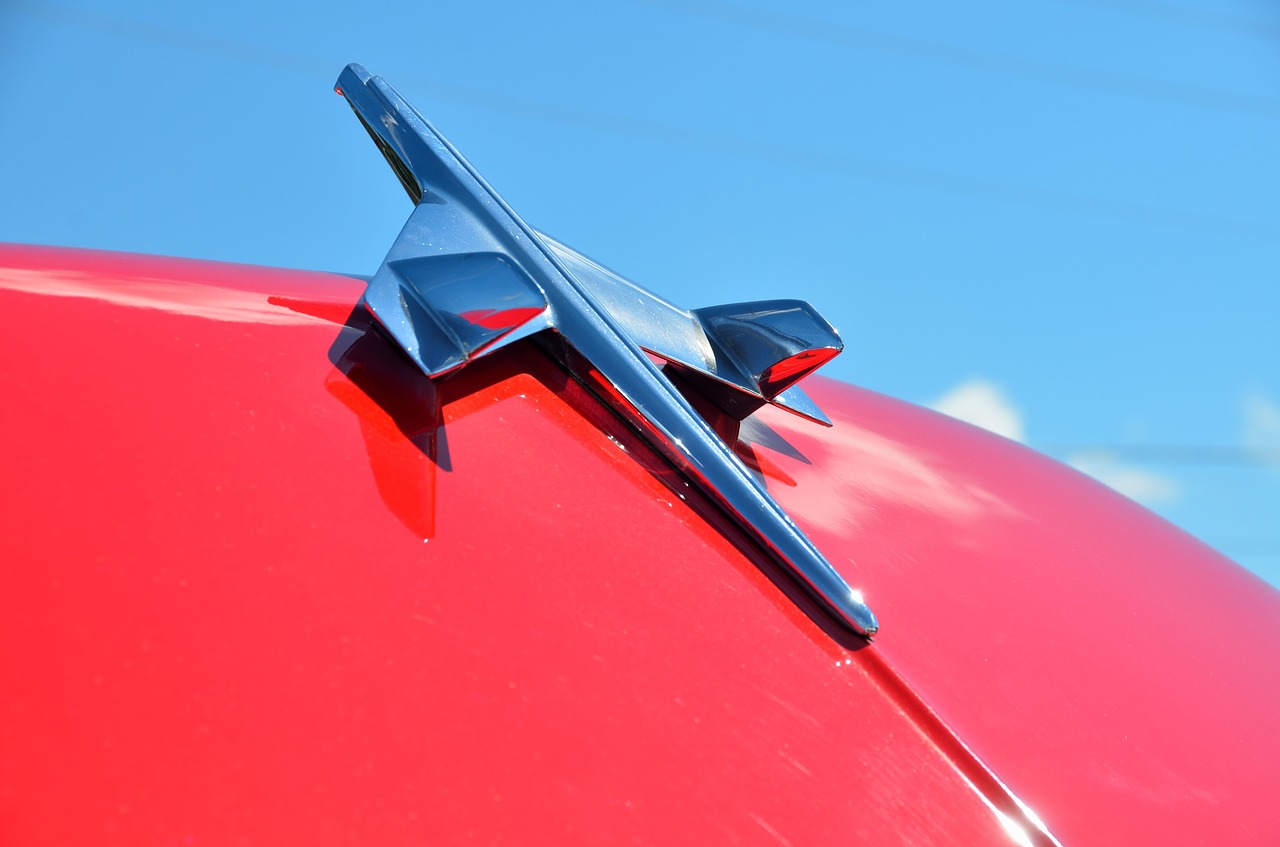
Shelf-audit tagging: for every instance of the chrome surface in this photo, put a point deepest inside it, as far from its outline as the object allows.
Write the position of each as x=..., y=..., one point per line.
x=727, y=359
x=466, y=276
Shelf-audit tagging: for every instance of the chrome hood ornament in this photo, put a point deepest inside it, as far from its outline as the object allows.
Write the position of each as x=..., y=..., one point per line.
x=466, y=276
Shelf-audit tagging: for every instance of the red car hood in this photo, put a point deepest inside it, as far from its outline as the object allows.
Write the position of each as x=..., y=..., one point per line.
x=1114, y=671
x=221, y=620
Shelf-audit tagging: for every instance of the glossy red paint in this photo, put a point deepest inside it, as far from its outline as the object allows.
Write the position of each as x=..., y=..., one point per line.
x=1119, y=675
x=221, y=620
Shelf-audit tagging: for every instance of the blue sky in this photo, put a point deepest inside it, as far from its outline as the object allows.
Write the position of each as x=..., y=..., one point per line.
x=1059, y=218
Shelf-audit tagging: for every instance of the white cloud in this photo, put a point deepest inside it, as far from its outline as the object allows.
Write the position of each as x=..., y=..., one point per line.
x=1145, y=486
x=983, y=403
x=1261, y=432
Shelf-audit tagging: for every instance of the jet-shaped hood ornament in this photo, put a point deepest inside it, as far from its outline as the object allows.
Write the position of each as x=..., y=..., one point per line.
x=466, y=276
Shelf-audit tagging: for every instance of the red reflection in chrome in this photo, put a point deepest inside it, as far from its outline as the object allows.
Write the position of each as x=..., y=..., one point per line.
x=502, y=318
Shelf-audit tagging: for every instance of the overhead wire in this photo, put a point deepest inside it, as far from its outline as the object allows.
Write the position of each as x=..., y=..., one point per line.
x=1040, y=70
x=1250, y=458
x=1187, y=454
x=895, y=173
x=1197, y=18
